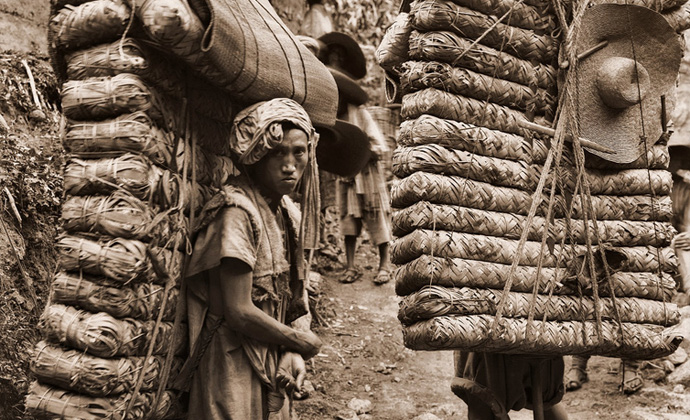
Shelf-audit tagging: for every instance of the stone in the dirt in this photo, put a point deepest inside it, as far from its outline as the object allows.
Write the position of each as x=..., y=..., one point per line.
x=359, y=406
x=367, y=388
x=679, y=389
x=681, y=375
x=37, y=115
x=427, y=416
x=678, y=357
x=347, y=415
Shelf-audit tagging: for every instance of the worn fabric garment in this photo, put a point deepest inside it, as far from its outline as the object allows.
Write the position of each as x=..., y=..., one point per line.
x=503, y=382
x=236, y=377
x=367, y=191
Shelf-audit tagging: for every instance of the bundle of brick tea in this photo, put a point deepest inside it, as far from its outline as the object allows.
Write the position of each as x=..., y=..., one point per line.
x=143, y=136
x=507, y=242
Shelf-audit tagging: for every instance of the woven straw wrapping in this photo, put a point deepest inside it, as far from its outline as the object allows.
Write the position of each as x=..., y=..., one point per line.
x=123, y=215
x=126, y=56
x=437, y=159
x=173, y=25
x=102, y=335
x=517, y=336
x=76, y=371
x=97, y=98
x=129, y=172
x=447, y=244
x=520, y=13
x=119, y=259
x=679, y=18
x=656, y=5
x=114, y=137
x=460, y=135
x=141, y=301
x=460, y=108
x=91, y=23
x=451, y=48
x=457, y=272
x=424, y=215
x=433, y=301
x=455, y=190
x=129, y=56
x=135, y=175
x=428, y=129
x=438, y=15
x=418, y=75
x=53, y=401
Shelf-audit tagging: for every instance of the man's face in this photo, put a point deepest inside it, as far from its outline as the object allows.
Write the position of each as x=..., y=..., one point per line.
x=280, y=170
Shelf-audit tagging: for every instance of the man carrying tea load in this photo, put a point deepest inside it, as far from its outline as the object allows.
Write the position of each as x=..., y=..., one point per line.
x=363, y=198
x=246, y=274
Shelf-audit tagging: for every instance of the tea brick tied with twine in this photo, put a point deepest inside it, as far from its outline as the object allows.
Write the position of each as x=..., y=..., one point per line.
x=418, y=75
x=522, y=14
x=119, y=259
x=432, y=158
x=121, y=215
x=425, y=215
x=519, y=335
x=49, y=399
x=433, y=15
x=134, y=132
x=102, y=335
x=433, y=301
x=127, y=56
x=450, y=189
x=446, y=105
x=448, y=47
x=77, y=371
x=504, y=251
x=142, y=301
x=428, y=129
x=458, y=272
x=89, y=23
x=97, y=98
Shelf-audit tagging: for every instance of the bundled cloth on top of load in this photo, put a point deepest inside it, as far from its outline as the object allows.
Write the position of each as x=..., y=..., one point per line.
x=508, y=241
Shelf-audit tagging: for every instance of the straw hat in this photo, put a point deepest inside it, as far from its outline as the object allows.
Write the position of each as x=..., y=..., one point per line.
x=348, y=88
x=353, y=62
x=342, y=149
x=641, y=46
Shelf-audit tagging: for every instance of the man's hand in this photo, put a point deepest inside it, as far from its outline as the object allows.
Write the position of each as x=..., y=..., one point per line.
x=291, y=372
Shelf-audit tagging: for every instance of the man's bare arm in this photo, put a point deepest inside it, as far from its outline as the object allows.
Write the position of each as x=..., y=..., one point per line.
x=235, y=287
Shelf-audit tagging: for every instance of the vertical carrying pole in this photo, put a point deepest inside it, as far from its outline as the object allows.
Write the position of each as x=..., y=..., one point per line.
x=537, y=389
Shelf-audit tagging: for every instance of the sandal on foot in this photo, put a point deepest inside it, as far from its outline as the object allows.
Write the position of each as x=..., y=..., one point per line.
x=575, y=377
x=351, y=275
x=382, y=277
x=632, y=382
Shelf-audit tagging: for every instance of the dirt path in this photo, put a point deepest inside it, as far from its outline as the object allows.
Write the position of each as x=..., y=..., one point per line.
x=363, y=357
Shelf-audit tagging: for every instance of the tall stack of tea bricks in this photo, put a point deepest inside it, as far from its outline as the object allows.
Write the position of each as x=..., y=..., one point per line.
x=144, y=136
x=469, y=173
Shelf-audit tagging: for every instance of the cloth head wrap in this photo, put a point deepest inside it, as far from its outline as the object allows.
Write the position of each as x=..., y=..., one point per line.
x=257, y=129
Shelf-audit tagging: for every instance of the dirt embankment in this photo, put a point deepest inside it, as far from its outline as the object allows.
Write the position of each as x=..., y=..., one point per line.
x=31, y=162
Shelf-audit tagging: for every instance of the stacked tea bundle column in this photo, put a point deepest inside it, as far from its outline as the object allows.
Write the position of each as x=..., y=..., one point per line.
x=471, y=278
x=144, y=138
